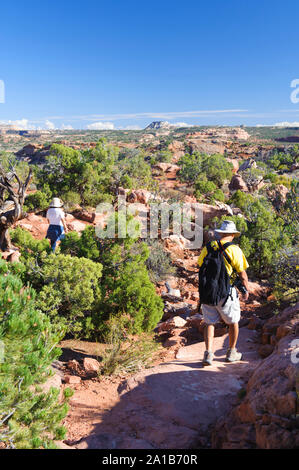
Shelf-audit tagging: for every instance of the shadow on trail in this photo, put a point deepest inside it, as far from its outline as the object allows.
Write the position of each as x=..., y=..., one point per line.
x=167, y=410
x=174, y=405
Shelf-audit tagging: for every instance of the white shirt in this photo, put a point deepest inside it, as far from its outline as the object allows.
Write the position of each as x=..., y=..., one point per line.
x=55, y=216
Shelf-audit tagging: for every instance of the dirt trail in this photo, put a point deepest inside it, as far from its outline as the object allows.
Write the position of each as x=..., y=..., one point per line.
x=171, y=406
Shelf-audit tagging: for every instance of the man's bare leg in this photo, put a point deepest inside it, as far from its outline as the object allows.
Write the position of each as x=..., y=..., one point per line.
x=233, y=335
x=209, y=336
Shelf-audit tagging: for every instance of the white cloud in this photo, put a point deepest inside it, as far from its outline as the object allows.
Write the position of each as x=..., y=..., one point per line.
x=287, y=124
x=66, y=127
x=180, y=124
x=25, y=124
x=100, y=126
x=130, y=128
x=49, y=125
x=160, y=116
x=22, y=124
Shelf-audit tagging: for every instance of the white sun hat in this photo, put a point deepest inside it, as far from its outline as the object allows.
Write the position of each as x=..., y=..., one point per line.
x=228, y=226
x=56, y=202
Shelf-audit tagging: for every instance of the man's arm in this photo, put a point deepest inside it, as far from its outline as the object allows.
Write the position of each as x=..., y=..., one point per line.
x=244, y=278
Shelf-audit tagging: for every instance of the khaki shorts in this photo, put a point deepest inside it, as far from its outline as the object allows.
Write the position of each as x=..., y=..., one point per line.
x=229, y=313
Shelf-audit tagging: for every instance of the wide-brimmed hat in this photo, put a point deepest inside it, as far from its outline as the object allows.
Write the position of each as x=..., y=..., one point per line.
x=228, y=227
x=56, y=202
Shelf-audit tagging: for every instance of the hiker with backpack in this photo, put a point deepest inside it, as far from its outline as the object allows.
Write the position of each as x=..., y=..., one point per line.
x=222, y=271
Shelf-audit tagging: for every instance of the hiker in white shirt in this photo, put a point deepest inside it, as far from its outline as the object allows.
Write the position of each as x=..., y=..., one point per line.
x=56, y=219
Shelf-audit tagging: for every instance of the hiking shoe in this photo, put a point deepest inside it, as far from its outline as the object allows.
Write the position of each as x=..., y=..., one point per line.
x=208, y=358
x=233, y=355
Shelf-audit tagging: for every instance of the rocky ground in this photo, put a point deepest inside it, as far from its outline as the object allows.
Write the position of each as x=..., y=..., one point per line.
x=178, y=403
x=173, y=405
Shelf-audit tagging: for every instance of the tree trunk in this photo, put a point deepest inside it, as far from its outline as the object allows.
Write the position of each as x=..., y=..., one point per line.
x=11, y=208
x=5, y=241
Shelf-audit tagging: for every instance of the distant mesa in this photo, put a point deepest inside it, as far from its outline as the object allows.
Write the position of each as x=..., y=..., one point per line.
x=158, y=125
x=290, y=138
x=10, y=129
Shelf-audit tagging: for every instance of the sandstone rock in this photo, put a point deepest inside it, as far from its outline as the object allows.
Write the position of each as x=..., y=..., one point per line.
x=265, y=350
x=123, y=191
x=235, y=164
x=180, y=241
x=270, y=328
x=258, y=290
x=172, y=168
x=224, y=207
x=36, y=224
x=278, y=195
x=132, y=197
x=72, y=379
x=5, y=254
x=91, y=365
x=169, y=325
x=11, y=255
x=34, y=153
x=209, y=211
x=196, y=321
x=243, y=322
x=85, y=215
x=167, y=167
x=74, y=366
x=236, y=183
x=175, y=250
x=183, y=309
x=194, y=296
x=266, y=338
x=179, y=322
x=206, y=146
x=69, y=217
x=283, y=330
x=165, y=326
x=76, y=226
x=255, y=323
x=237, y=211
x=249, y=163
x=171, y=291
x=26, y=226
x=139, y=195
x=270, y=402
x=14, y=257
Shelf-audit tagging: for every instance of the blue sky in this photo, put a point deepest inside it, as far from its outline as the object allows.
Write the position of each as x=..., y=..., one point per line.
x=126, y=63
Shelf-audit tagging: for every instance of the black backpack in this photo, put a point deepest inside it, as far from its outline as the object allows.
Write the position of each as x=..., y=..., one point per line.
x=214, y=280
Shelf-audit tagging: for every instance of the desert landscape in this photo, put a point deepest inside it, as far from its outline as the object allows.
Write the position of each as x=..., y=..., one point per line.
x=127, y=396
x=149, y=177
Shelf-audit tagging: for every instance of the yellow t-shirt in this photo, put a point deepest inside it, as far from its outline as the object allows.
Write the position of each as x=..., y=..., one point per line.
x=235, y=254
